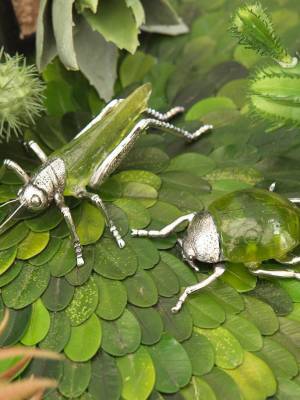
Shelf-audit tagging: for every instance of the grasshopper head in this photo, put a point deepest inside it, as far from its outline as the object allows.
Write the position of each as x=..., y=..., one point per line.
x=33, y=198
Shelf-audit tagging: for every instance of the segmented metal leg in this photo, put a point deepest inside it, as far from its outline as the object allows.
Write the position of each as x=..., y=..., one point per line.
x=36, y=149
x=292, y=199
x=286, y=273
x=8, y=164
x=174, y=130
x=59, y=199
x=168, y=115
x=95, y=199
x=166, y=230
x=219, y=269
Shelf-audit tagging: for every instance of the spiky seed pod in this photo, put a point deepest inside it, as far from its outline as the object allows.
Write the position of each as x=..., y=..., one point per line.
x=275, y=96
x=255, y=29
x=20, y=94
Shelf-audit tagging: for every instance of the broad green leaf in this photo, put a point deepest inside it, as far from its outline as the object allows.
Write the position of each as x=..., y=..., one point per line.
x=83, y=303
x=16, y=326
x=62, y=230
x=111, y=14
x=138, y=11
x=110, y=190
x=194, y=163
x=121, y=336
x=141, y=289
x=119, y=218
x=198, y=389
x=254, y=378
x=26, y=287
x=32, y=245
x=181, y=199
x=184, y=273
x=165, y=242
x=178, y=325
x=158, y=76
x=7, y=257
x=13, y=236
x=201, y=353
x=91, y=224
x=11, y=273
x=75, y=379
x=38, y=326
x=137, y=373
x=228, y=351
x=105, y=382
x=245, y=331
x=172, y=365
x=239, y=277
x=140, y=192
x=84, y=340
x=223, y=385
x=79, y=275
x=48, y=252
x=244, y=174
x=279, y=168
x=228, y=185
x=113, y=262
x=288, y=336
x=236, y=91
x=64, y=259
x=279, y=359
x=235, y=155
x=260, y=314
x=46, y=221
x=58, y=294
x=150, y=159
x=82, y=4
x=138, y=215
x=166, y=213
x=112, y=298
x=146, y=252
x=165, y=279
x=214, y=24
x=150, y=322
x=207, y=105
x=58, y=100
x=286, y=390
x=63, y=30
x=134, y=67
x=205, y=311
x=146, y=177
x=58, y=334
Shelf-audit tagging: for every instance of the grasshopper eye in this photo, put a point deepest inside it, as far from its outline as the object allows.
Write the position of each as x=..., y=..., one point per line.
x=35, y=201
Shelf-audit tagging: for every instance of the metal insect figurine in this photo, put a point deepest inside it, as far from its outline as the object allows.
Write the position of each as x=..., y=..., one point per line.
x=89, y=159
x=247, y=226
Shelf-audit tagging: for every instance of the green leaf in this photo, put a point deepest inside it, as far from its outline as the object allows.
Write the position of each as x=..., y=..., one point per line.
x=58, y=100
x=112, y=298
x=235, y=155
x=207, y=105
x=58, y=334
x=79, y=275
x=223, y=385
x=138, y=215
x=120, y=220
x=16, y=326
x=91, y=224
x=64, y=259
x=150, y=159
x=141, y=289
x=162, y=243
x=185, y=275
x=121, y=336
x=286, y=390
x=260, y=314
x=32, y=245
x=165, y=279
x=58, y=294
x=62, y=230
x=84, y=340
x=110, y=190
x=288, y=336
x=48, y=252
x=146, y=177
x=192, y=163
x=178, y=326
x=146, y=252
x=82, y=4
x=26, y=287
x=83, y=303
x=229, y=185
x=13, y=236
x=198, y=389
x=140, y=192
x=200, y=352
x=181, y=199
x=63, y=31
x=134, y=67
x=105, y=381
x=11, y=273
x=245, y=331
x=111, y=14
x=113, y=262
x=46, y=221
x=244, y=174
x=7, y=257
x=166, y=213
x=75, y=379
x=150, y=322
x=172, y=365
x=279, y=359
x=239, y=277
x=254, y=378
x=137, y=373
x=138, y=11
x=38, y=326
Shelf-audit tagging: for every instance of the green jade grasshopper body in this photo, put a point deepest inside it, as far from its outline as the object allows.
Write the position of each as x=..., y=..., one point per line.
x=89, y=159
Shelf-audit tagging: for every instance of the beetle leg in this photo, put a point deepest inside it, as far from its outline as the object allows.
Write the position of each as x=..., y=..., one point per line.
x=59, y=199
x=8, y=164
x=219, y=269
x=285, y=273
x=37, y=150
x=95, y=199
x=168, y=115
x=166, y=230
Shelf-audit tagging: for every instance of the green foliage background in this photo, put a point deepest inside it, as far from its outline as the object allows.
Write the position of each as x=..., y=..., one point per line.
x=237, y=339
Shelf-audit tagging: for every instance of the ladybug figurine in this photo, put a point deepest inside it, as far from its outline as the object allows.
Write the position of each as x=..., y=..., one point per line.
x=247, y=226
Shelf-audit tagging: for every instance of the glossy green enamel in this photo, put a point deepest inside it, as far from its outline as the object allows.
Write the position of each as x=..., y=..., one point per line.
x=83, y=155
x=256, y=225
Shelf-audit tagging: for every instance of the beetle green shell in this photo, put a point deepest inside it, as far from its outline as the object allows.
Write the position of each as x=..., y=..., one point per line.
x=83, y=155
x=256, y=225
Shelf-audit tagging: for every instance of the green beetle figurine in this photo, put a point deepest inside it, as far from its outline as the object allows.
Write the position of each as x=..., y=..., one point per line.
x=247, y=226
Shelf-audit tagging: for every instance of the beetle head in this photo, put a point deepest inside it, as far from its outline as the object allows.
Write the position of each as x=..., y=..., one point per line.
x=33, y=198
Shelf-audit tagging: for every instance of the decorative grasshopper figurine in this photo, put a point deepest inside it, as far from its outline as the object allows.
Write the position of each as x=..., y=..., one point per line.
x=89, y=159
x=247, y=226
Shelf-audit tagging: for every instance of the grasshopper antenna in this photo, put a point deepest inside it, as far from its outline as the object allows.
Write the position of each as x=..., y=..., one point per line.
x=9, y=202
x=11, y=216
